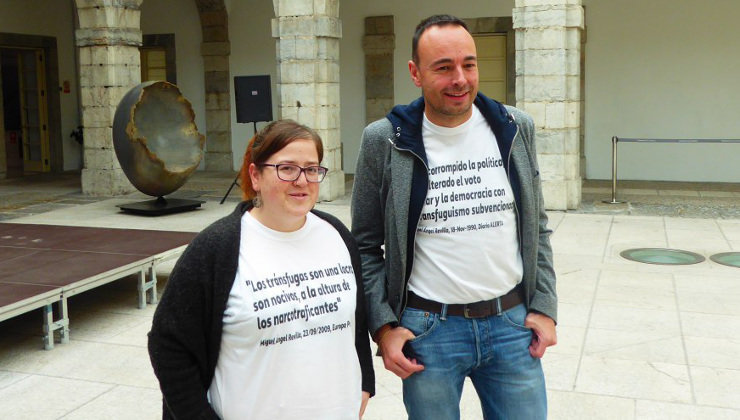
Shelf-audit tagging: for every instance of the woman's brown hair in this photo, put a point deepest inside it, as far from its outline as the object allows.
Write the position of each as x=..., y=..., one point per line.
x=271, y=140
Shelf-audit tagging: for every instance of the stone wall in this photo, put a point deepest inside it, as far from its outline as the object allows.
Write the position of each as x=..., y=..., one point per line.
x=216, y=49
x=378, y=43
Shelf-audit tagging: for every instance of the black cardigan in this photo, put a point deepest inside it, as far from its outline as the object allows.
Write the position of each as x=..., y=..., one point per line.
x=185, y=339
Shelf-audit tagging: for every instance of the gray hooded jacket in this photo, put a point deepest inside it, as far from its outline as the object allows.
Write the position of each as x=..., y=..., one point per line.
x=389, y=190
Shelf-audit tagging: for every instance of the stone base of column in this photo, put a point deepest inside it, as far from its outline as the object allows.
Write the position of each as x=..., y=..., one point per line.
x=574, y=193
x=105, y=182
x=219, y=161
x=562, y=194
x=332, y=187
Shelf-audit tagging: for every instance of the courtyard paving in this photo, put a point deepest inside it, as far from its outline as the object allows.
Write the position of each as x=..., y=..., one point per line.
x=636, y=341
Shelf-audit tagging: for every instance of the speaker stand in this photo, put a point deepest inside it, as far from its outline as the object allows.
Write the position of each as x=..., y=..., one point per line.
x=236, y=178
x=235, y=182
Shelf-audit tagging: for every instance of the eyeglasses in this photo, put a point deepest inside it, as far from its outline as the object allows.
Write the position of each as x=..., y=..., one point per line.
x=289, y=172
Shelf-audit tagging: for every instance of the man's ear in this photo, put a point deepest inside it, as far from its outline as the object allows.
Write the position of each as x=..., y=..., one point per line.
x=414, y=71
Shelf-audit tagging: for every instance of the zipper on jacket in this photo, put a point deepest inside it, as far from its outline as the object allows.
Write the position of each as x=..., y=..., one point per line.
x=409, y=258
x=508, y=175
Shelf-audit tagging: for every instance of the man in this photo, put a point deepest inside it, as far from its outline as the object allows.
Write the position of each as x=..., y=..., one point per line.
x=448, y=213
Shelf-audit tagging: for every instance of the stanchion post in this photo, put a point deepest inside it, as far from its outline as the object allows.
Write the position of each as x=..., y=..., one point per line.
x=615, y=140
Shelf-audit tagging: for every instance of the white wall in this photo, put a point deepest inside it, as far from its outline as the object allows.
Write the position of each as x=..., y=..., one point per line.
x=56, y=19
x=180, y=17
x=407, y=14
x=662, y=69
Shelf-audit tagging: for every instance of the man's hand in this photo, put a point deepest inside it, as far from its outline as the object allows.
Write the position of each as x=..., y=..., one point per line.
x=543, y=333
x=365, y=398
x=391, y=347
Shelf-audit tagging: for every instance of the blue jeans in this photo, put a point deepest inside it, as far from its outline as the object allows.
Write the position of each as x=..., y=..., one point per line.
x=492, y=351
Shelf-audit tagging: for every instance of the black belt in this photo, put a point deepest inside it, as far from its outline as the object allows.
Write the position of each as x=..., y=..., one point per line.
x=469, y=310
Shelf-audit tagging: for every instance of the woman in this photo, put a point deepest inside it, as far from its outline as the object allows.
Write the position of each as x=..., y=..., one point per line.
x=263, y=315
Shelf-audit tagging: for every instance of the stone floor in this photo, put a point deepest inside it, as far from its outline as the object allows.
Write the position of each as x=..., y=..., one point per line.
x=636, y=341
x=679, y=199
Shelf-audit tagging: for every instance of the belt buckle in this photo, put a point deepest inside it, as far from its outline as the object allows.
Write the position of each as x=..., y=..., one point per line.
x=481, y=309
x=470, y=313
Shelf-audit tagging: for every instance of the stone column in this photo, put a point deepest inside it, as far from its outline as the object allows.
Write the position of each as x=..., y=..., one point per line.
x=216, y=49
x=307, y=36
x=379, y=42
x=108, y=38
x=548, y=34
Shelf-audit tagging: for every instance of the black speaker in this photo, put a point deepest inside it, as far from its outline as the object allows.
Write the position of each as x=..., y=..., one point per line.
x=253, y=98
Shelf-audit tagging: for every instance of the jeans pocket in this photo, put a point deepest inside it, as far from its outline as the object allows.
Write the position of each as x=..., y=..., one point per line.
x=516, y=316
x=419, y=322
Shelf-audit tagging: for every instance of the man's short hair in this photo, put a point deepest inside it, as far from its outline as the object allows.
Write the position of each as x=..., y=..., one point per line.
x=435, y=20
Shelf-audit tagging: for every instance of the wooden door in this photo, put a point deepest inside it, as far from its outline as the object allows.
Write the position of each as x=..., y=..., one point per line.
x=491, y=50
x=34, y=110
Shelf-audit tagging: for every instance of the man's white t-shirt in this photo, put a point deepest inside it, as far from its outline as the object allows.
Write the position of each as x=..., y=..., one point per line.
x=467, y=245
x=288, y=343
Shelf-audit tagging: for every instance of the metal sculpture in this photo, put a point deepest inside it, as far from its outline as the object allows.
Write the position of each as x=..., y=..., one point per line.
x=158, y=145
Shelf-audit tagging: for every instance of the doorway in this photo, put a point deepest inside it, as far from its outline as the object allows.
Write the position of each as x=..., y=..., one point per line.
x=494, y=39
x=25, y=111
x=492, y=65
x=158, y=58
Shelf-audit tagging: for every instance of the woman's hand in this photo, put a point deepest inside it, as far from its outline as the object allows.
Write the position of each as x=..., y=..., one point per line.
x=365, y=398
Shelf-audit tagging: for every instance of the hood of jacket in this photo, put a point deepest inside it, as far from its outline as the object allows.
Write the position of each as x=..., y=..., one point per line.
x=407, y=123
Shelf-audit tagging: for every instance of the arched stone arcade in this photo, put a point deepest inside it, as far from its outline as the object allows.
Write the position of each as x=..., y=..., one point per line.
x=307, y=35
x=109, y=36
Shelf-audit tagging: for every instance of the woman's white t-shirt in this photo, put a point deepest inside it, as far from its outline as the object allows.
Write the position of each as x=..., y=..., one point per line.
x=288, y=343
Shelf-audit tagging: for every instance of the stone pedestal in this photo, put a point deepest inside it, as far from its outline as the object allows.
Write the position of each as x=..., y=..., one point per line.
x=307, y=41
x=548, y=51
x=109, y=38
